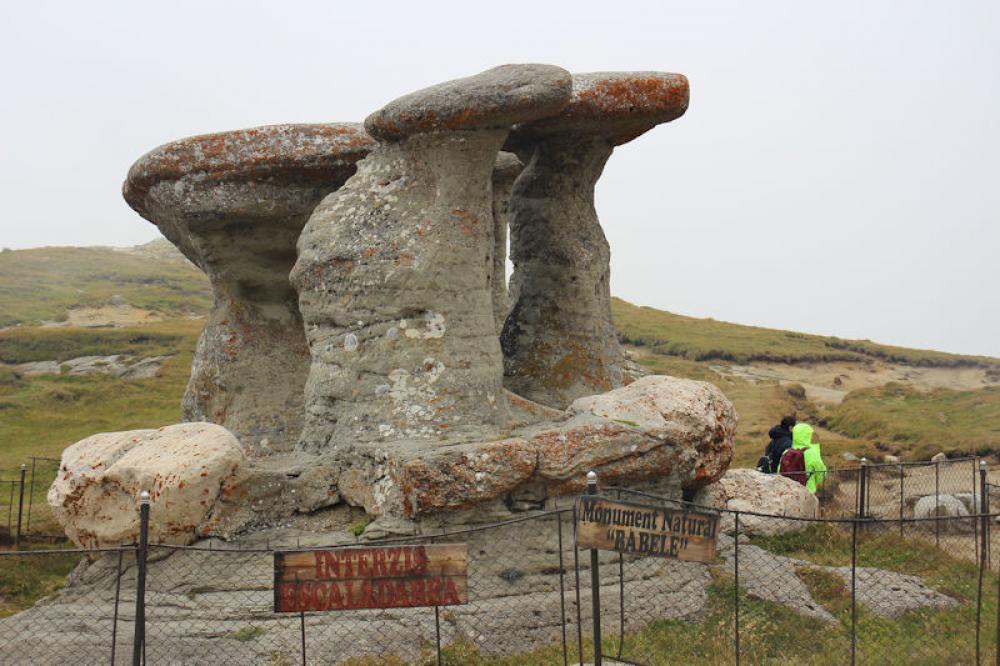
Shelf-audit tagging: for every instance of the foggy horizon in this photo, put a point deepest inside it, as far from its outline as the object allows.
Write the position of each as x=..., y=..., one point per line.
x=834, y=173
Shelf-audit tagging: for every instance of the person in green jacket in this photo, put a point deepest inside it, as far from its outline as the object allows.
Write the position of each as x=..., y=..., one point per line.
x=815, y=467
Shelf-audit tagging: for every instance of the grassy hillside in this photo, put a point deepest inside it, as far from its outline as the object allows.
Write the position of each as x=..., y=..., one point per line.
x=670, y=334
x=40, y=284
x=42, y=415
x=919, y=424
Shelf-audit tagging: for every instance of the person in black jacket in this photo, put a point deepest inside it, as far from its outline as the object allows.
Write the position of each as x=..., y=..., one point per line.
x=781, y=441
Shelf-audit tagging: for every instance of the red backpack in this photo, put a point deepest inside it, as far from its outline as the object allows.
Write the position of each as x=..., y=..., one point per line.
x=793, y=465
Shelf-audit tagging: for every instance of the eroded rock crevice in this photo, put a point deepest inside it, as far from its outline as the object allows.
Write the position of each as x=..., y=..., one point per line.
x=559, y=342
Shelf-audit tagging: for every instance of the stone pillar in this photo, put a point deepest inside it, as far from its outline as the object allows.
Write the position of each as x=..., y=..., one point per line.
x=505, y=171
x=558, y=341
x=235, y=203
x=394, y=269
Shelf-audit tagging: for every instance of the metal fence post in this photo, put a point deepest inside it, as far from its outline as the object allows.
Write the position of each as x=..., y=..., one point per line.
x=854, y=595
x=937, y=503
x=736, y=575
x=302, y=634
x=31, y=493
x=975, y=525
x=114, y=622
x=982, y=552
x=139, y=640
x=20, y=508
x=901, y=500
x=562, y=591
x=595, y=581
x=863, y=485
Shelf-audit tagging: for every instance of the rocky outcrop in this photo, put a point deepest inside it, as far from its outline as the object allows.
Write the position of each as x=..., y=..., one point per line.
x=234, y=203
x=559, y=342
x=677, y=431
x=505, y=171
x=394, y=268
x=756, y=492
x=186, y=468
x=119, y=365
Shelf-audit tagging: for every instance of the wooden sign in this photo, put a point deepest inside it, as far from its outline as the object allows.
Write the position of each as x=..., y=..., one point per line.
x=636, y=529
x=380, y=577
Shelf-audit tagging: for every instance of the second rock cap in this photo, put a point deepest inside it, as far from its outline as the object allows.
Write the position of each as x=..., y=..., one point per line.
x=617, y=105
x=497, y=98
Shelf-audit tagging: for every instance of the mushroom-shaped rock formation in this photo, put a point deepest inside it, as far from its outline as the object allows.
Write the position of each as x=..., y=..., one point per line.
x=505, y=171
x=558, y=340
x=235, y=203
x=394, y=268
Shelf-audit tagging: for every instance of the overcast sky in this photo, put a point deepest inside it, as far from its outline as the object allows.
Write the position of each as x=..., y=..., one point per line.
x=837, y=172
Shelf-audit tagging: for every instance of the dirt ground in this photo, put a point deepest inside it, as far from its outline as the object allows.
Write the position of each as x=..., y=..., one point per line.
x=828, y=383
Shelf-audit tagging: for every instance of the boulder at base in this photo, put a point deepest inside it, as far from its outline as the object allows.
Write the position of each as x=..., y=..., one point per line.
x=185, y=468
x=750, y=490
x=675, y=432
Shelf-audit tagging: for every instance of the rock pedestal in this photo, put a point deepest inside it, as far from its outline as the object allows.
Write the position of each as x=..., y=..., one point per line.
x=235, y=203
x=394, y=268
x=559, y=342
x=677, y=432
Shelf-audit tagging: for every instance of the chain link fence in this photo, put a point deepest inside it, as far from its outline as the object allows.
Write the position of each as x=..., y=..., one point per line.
x=862, y=588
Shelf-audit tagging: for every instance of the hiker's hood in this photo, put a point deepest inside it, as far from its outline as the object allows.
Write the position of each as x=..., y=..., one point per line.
x=779, y=431
x=802, y=435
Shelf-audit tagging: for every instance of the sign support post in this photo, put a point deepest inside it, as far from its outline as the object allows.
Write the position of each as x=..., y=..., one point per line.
x=595, y=581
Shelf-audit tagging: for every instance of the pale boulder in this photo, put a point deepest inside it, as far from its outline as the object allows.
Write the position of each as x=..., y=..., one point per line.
x=752, y=491
x=943, y=506
x=186, y=468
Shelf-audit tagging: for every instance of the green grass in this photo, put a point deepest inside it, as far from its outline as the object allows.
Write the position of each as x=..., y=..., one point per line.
x=669, y=334
x=26, y=579
x=25, y=344
x=41, y=416
x=40, y=284
x=918, y=424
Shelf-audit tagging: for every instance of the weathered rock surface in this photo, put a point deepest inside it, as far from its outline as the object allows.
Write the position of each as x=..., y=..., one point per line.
x=505, y=171
x=891, y=594
x=774, y=578
x=186, y=468
x=750, y=490
x=394, y=268
x=201, y=601
x=675, y=430
x=272, y=488
x=119, y=365
x=494, y=99
x=559, y=342
x=234, y=203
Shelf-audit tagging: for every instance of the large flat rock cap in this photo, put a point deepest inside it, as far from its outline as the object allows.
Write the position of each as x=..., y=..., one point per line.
x=276, y=153
x=617, y=105
x=496, y=98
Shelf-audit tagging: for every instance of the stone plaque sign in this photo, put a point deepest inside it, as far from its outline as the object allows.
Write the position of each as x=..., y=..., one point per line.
x=636, y=529
x=380, y=577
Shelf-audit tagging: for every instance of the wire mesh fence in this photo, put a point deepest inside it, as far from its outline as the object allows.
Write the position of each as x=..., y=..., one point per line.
x=38, y=518
x=894, y=490
x=858, y=589
x=820, y=591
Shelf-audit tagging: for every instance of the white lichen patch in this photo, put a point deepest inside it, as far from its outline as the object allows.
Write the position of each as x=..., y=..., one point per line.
x=433, y=327
x=413, y=395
